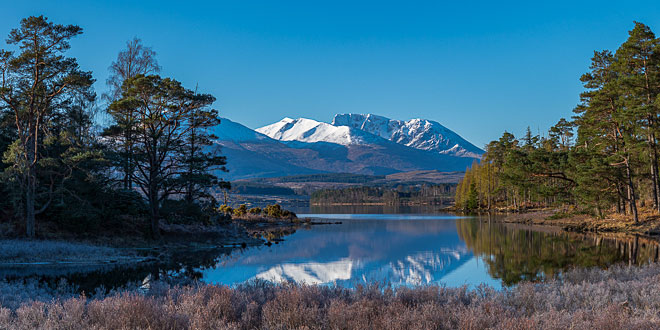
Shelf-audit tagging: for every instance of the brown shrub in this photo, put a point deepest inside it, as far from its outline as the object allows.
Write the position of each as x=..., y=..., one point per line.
x=599, y=301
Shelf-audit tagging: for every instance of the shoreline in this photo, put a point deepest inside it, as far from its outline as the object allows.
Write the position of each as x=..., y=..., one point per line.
x=133, y=250
x=612, y=225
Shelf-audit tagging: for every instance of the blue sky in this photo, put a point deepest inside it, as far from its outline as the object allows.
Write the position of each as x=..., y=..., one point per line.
x=479, y=68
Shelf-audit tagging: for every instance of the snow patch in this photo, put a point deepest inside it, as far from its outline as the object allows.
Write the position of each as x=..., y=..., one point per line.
x=232, y=131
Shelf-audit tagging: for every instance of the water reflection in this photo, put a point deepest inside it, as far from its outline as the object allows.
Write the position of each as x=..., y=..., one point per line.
x=514, y=253
x=186, y=265
x=417, y=250
x=399, y=249
x=310, y=272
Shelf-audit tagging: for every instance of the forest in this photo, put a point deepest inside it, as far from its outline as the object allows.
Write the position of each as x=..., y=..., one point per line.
x=602, y=160
x=425, y=194
x=64, y=171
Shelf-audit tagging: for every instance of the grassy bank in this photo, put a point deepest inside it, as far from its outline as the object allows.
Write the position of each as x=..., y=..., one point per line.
x=621, y=297
x=648, y=225
x=15, y=251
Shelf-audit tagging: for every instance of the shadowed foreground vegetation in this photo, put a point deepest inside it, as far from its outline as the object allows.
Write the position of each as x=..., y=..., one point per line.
x=621, y=297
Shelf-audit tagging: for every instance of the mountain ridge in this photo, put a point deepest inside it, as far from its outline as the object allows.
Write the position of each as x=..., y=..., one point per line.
x=306, y=146
x=416, y=133
x=311, y=131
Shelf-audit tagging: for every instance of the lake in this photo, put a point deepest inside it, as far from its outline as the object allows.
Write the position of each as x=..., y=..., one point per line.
x=421, y=248
x=410, y=247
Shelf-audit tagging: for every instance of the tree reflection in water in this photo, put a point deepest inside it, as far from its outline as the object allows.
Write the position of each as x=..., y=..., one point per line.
x=515, y=253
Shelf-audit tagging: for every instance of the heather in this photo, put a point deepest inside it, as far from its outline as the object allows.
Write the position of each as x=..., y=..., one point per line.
x=621, y=297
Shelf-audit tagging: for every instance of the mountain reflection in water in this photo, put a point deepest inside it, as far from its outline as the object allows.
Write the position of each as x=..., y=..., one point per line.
x=416, y=249
x=399, y=250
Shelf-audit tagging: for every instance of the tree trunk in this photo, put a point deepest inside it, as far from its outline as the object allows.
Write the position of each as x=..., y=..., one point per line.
x=30, y=189
x=29, y=208
x=631, y=192
x=127, y=160
x=653, y=152
x=654, y=167
x=155, y=216
x=154, y=201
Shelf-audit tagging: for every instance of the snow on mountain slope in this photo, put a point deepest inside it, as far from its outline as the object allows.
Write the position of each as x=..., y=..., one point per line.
x=305, y=146
x=416, y=133
x=310, y=131
x=310, y=272
x=232, y=131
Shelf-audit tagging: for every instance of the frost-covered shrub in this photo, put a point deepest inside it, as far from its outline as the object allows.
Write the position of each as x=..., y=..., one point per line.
x=622, y=297
x=19, y=250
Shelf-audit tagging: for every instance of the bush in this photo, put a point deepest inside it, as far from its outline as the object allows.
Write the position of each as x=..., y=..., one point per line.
x=255, y=210
x=274, y=211
x=288, y=214
x=226, y=209
x=240, y=211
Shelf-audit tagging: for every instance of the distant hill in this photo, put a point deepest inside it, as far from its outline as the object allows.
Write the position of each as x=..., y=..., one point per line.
x=309, y=183
x=426, y=176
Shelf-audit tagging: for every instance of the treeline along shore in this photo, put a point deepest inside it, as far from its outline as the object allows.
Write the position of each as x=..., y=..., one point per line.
x=415, y=194
x=602, y=163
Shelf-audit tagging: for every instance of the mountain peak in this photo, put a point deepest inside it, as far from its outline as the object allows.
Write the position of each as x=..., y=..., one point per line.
x=229, y=130
x=310, y=130
x=416, y=133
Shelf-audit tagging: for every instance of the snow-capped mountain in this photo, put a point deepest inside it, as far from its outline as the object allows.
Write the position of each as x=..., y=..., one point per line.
x=416, y=133
x=309, y=130
x=305, y=146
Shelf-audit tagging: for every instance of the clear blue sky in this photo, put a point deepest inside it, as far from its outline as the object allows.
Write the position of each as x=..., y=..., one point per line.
x=479, y=68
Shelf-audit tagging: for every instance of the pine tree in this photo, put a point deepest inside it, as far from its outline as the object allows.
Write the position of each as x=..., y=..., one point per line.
x=472, y=202
x=37, y=82
x=638, y=67
x=167, y=116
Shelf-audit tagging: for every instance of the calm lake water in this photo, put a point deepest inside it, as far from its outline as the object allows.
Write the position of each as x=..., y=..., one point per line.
x=398, y=246
x=421, y=248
